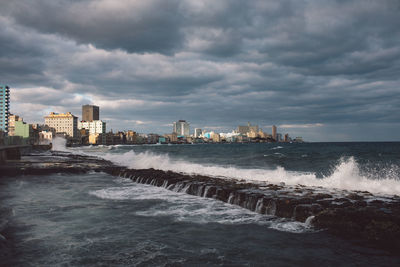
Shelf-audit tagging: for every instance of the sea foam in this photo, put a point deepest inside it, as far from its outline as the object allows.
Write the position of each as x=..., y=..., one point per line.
x=346, y=175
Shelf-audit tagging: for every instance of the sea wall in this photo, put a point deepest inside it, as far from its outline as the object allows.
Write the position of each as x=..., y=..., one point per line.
x=350, y=214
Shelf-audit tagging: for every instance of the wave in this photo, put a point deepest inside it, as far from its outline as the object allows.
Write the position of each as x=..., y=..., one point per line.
x=186, y=208
x=346, y=175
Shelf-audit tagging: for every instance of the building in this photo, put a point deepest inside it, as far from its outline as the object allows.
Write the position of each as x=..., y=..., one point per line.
x=197, y=132
x=63, y=123
x=279, y=137
x=94, y=127
x=247, y=129
x=215, y=137
x=4, y=107
x=90, y=113
x=45, y=137
x=11, y=124
x=25, y=131
x=274, y=132
x=181, y=128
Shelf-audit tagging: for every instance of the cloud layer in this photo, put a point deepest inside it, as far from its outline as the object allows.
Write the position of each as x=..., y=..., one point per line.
x=327, y=70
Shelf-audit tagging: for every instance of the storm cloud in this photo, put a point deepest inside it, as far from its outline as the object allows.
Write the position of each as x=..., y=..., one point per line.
x=324, y=70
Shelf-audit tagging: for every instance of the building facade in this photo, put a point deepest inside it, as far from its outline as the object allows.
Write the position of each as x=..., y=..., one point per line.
x=4, y=107
x=274, y=132
x=11, y=124
x=90, y=113
x=94, y=127
x=63, y=123
x=181, y=128
x=197, y=132
x=247, y=129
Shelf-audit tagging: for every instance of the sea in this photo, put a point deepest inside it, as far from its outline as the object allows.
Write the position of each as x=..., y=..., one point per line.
x=95, y=219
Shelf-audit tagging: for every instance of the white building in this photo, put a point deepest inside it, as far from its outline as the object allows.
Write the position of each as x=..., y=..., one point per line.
x=181, y=128
x=197, y=132
x=94, y=127
x=63, y=123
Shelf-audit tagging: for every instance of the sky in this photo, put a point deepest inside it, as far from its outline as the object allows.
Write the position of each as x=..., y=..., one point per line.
x=323, y=70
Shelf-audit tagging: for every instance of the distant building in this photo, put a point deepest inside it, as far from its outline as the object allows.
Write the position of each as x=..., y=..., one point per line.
x=4, y=107
x=286, y=138
x=90, y=113
x=45, y=137
x=197, y=132
x=181, y=128
x=11, y=124
x=25, y=131
x=279, y=137
x=63, y=123
x=94, y=127
x=247, y=129
x=274, y=132
x=215, y=137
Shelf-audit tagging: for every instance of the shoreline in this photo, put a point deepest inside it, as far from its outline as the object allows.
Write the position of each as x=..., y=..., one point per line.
x=349, y=214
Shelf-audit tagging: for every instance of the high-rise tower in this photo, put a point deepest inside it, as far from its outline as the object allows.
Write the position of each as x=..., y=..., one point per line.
x=4, y=107
x=181, y=128
x=90, y=113
x=274, y=132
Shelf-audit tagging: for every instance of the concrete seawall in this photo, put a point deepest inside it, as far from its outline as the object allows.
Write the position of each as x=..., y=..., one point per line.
x=15, y=152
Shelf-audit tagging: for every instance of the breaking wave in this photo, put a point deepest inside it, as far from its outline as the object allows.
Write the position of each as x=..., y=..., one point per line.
x=345, y=175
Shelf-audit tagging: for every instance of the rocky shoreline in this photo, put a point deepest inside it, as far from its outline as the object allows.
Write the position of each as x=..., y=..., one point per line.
x=356, y=215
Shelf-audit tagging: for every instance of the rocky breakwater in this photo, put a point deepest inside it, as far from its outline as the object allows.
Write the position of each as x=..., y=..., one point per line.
x=354, y=215
x=49, y=162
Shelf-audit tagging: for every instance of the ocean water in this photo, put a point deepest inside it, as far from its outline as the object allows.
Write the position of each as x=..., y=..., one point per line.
x=99, y=220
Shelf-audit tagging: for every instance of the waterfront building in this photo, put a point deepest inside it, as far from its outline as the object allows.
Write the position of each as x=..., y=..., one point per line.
x=215, y=137
x=181, y=128
x=131, y=137
x=286, y=138
x=25, y=131
x=63, y=123
x=279, y=137
x=197, y=132
x=94, y=127
x=90, y=113
x=4, y=107
x=274, y=132
x=11, y=124
x=45, y=137
x=247, y=129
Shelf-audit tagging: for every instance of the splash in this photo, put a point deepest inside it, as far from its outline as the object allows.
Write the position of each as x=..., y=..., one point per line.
x=186, y=208
x=346, y=175
x=59, y=144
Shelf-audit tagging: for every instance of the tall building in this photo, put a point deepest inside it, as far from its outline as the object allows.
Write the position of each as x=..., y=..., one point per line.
x=274, y=132
x=197, y=132
x=4, y=107
x=90, y=113
x=63, y=123
x=181, y=128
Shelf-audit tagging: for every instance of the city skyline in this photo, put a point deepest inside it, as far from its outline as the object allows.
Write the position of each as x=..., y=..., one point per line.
x=323, y=70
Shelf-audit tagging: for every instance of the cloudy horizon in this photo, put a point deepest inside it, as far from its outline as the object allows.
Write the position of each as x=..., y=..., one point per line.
x=323, y=70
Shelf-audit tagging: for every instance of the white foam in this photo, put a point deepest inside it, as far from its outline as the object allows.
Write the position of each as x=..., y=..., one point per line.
x=345, y=175
x=187, y=208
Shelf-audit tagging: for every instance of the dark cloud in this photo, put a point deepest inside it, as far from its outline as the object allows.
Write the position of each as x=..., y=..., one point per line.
x=312, y=65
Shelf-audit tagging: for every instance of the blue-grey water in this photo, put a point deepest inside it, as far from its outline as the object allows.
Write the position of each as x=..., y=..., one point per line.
x=99, y=220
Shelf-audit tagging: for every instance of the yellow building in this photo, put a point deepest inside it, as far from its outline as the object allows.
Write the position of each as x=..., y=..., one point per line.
x=63, y=123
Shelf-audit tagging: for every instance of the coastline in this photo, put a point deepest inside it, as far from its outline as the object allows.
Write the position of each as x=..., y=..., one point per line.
x=349, y=214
